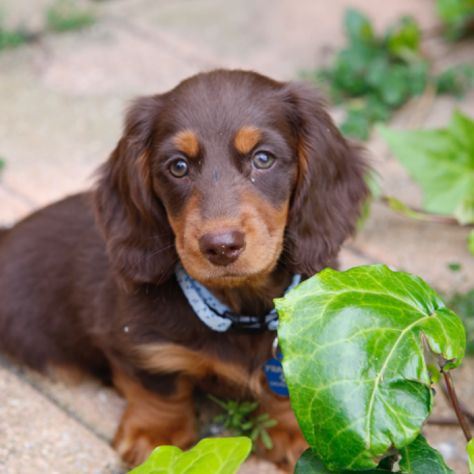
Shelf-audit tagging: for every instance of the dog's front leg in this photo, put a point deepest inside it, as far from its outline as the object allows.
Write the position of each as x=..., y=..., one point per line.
x=287, y=439
x=152, y=419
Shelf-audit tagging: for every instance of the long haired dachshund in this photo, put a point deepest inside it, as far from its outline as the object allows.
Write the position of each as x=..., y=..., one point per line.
x=237, y=180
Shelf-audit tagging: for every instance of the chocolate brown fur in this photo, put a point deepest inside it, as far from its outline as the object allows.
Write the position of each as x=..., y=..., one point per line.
x=89, y=281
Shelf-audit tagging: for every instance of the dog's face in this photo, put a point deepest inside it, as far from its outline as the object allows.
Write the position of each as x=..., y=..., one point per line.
x=231, y=172
x=224, y=167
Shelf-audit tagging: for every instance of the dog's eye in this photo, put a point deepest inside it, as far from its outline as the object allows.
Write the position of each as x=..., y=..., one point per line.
x=263, y=160
x=179, y=168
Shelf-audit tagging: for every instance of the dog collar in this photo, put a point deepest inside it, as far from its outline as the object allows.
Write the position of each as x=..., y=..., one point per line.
x=218, y=316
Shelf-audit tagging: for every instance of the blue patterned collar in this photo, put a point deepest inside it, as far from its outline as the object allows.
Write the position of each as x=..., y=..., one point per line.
x=218, y=316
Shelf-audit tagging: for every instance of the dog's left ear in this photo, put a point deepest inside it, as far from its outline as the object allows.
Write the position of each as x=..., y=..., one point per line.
x=330, y=187
x=139, y=240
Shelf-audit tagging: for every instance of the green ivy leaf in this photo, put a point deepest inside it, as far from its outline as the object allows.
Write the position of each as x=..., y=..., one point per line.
x=399, y=206
x=216, y=455
x=404, y=36
x=160, y=461
x=470, y=242
x=395, y=90
x=464, y=212
x=442, y=163
x=420, y=458
x=353, y=345
x=470, y=455
x=463, y=305
x=358, y=27
x=308, y=463
x=456, y=14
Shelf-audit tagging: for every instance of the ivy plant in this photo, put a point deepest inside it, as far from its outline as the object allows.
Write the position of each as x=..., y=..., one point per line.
x=441, y=161
x=456, y=80
x=416, y=458
x=375, y=73
x=216, y=455
x=470, y=455
x=361, y=349
x=457, y=16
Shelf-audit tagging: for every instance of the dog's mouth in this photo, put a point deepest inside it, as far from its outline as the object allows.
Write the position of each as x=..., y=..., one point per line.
x=230, y=279
x=233, y=252
x=245, y=270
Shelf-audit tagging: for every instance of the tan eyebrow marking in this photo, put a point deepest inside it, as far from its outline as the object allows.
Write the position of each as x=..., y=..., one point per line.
x=246, y=138
x=187, y=142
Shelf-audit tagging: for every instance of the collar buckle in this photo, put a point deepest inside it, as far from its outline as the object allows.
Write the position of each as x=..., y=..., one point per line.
x=246, y=323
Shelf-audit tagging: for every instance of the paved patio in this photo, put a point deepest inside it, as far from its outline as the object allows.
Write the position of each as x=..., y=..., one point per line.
x=62, y=100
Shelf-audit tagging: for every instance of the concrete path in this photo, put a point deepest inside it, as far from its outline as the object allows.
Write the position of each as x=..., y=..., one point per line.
x=62, y=100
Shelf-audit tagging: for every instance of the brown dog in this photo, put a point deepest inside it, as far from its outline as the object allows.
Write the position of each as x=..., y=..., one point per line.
x=245, y=181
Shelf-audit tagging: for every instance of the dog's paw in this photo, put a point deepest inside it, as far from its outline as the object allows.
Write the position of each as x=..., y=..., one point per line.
x=135, y=442
x=288, y=446
x=287, y=439
x=134, y=448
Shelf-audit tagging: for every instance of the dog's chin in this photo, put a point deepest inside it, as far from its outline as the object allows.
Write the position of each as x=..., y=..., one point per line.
x=232, y=280
x=230, y=276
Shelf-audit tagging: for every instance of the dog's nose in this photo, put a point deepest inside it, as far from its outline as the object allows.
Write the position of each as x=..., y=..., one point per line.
x=222, y=248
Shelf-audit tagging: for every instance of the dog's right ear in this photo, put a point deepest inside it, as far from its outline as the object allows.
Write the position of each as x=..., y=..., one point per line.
x=139, y=240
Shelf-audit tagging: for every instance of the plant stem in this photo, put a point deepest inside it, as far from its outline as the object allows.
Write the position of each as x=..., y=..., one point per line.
x=464, y=409
x=457, y=409
x=442, y=421
x=415, y=213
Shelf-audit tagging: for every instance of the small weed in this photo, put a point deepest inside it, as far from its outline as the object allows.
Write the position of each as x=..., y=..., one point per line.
x=455, y=266
x=67, y=15
x=239, y=419
x=11, y=38
x=456, y=80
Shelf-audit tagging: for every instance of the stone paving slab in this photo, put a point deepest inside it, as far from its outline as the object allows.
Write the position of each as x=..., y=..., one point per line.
x=37, y=437
x=58, y=126
x=51, y=143
x=278, y=38
x=86, y=399
x=62, y=108
x=422, y=248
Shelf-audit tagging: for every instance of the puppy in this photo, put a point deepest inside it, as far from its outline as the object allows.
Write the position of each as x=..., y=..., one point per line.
x=231, y=183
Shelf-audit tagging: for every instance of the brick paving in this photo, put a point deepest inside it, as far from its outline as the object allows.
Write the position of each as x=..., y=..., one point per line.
x=62, y=100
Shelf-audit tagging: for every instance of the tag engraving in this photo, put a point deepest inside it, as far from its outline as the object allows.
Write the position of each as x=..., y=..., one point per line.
x=274, y=374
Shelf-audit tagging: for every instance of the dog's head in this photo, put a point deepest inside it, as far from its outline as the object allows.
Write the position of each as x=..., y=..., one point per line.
x=232, y=173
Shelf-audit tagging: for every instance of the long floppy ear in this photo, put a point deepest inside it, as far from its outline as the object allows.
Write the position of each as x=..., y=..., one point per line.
x=330, y=187
x=139, y=240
